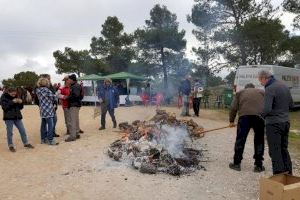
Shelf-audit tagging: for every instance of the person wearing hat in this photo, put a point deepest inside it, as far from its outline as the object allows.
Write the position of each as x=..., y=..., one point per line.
x=74, y=100
x=109, y=100
x=65, y=92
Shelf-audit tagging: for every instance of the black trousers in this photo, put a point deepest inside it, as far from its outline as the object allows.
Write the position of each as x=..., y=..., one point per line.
x=104, y=109
x=277, y=137
x=196, y=105
x=245, y=123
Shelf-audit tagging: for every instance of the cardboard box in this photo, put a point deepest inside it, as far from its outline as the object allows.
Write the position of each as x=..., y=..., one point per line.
x=280, y=187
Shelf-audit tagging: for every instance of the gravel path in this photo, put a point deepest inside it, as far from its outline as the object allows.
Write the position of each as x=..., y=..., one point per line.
x=81, y=170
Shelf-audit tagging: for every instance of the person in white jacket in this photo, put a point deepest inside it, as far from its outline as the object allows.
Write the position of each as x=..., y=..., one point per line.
x=197, y=95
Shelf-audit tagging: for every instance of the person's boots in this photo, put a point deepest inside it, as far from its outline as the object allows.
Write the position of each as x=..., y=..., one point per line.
x=29, y=146
x=101, y=128
x=259, y=168
x=70, y=139
x=115, y=125
x=55, y=135
x=12, y=149
x=236, y=167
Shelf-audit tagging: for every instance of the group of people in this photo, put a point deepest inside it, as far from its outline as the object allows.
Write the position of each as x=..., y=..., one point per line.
x=263, y=111
x=46, y=97
x=187, y=90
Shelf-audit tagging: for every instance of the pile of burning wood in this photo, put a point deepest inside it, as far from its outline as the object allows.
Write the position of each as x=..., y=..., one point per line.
x=162, y=144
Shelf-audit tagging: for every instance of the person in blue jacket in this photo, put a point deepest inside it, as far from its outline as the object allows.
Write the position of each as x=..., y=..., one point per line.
x=109, y=100
x=185, y=91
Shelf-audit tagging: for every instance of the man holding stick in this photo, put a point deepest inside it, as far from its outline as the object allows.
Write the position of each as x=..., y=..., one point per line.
x=249, y=104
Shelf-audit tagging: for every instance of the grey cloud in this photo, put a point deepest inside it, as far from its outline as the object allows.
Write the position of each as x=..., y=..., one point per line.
x=32, y=29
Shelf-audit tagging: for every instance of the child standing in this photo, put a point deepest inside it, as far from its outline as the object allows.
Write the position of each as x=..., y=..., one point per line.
x=12, y=107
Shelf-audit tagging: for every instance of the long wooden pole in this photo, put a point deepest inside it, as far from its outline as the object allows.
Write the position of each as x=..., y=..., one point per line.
x=215, y=129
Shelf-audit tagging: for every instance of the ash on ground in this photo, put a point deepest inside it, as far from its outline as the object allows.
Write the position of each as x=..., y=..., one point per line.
x=162, y=144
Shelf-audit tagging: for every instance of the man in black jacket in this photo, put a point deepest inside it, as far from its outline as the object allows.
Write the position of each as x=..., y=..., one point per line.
x=278, y=101
x=12, y=107
x=74, y=99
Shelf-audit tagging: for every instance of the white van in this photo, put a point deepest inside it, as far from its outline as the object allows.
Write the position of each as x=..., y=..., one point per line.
x=290, y=76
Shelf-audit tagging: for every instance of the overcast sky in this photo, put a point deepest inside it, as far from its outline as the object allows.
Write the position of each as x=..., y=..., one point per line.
x=31, y=30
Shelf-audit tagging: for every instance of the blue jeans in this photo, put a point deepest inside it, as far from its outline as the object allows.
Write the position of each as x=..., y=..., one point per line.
x=47, y=129
x=54, y=122
x=9, y=129
x=186, y=105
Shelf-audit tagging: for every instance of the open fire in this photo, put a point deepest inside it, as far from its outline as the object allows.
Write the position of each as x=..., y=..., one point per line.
x=162, y=144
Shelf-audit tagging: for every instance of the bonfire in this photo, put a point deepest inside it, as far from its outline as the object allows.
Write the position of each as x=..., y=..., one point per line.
x=162, y=144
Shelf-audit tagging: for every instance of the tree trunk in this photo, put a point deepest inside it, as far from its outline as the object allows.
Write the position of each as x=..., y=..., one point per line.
x=164, y=68
x=243, y=53
x=206, y=46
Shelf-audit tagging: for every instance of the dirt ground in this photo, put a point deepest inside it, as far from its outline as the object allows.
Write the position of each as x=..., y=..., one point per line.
x=82, y=170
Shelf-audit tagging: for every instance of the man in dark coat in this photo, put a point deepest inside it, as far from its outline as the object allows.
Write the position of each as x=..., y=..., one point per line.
x=74, y=100
x=278, y=101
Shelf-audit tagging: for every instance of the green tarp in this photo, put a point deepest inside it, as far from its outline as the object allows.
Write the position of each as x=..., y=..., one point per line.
x=120, y=75
x=124, y=75
x=91, y=77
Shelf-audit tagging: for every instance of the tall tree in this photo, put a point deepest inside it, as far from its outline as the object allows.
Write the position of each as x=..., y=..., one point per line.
x=22, y=79
x=263, y=39
x=207, y=75
x=160, y=39
x=230, y=78
x=291, y=55
x=72, y=61
x=218, y=22
x=294, y=7
x=203, y=17
x=114, y=46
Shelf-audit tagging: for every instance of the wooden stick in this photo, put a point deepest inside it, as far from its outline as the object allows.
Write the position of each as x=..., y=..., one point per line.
x=214, y=129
